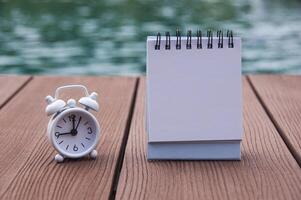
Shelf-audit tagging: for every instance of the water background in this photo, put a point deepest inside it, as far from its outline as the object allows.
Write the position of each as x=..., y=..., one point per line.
x=108, y=37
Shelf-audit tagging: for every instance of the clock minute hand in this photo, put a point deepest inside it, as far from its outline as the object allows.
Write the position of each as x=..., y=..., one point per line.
x=80, y=118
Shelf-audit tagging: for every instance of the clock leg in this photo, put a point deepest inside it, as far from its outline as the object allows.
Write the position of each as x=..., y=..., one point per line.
x=59, y=158
x=93, y=154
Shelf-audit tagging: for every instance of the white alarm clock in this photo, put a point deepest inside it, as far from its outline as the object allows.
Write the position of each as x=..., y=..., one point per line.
x=72, y=130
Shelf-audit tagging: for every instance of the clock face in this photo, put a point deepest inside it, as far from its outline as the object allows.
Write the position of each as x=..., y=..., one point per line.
x=75, y=132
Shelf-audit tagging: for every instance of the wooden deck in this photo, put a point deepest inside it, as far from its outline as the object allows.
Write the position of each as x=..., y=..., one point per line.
x=271, y=148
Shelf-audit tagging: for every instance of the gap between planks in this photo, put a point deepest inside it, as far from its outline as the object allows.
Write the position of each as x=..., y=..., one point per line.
x=23, y=85
x=124, y=142
x=275, y=123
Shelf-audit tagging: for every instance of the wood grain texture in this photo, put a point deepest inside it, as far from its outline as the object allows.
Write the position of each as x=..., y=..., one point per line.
x=9, y=85
x=267, y=169
x=28, y=170
x=281, y=96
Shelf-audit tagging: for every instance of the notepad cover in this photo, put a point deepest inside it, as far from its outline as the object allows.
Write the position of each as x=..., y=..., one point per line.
x=194, y=95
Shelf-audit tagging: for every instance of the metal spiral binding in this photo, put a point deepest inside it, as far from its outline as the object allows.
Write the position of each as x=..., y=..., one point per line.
x=230, y=39
x=210, y=39
x=178, y=44
x=158, y=42
x=167, y=41
x=199, y=39
x=188, y=41
x=219, y=35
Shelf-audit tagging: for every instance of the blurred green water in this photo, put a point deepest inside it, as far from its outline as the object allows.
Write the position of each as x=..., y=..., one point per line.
x=108, y=37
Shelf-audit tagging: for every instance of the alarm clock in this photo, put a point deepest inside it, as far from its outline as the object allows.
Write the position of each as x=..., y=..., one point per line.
x=73, y=130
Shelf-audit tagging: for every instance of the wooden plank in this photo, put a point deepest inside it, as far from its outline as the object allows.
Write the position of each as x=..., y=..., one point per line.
x=267, y=169
x=28, y=170
x=9, y=86
x=281, y=96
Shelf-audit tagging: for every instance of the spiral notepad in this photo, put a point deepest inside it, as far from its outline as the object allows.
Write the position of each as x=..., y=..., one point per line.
x=194, y=103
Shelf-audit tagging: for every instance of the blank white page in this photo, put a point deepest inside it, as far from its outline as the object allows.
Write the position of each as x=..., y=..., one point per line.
x=194, y=94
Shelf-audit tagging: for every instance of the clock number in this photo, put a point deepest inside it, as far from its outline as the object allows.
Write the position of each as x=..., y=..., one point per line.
x=71, y=117
x=57, y=134
x=75, y=148
x=89, y=130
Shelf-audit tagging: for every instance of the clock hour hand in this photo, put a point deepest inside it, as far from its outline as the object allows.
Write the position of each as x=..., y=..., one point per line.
x=57, y=134
x=73, y=122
